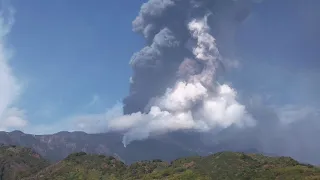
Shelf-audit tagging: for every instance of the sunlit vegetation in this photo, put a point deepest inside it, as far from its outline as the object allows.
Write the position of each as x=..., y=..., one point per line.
x=22, y=163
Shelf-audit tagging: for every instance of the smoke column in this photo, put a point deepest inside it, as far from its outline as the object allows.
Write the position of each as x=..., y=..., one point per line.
x=164, y=25
x=174, y=85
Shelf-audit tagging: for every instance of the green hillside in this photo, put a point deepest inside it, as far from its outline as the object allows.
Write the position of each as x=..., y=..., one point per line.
x=224, y=165
x=18, y=163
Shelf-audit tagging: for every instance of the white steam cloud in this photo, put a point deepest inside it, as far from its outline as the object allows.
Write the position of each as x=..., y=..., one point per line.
x=198, y=104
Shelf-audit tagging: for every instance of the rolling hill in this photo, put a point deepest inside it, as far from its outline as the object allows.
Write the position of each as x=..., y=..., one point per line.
x=23, y=164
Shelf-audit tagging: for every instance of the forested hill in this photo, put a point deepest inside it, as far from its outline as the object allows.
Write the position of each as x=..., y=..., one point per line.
x=17, y=163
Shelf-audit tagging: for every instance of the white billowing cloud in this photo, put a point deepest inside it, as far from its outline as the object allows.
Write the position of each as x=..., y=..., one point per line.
x=10, y=117
x=182, y=97
x=199, y=104
x=224, y=110
x=215, y=111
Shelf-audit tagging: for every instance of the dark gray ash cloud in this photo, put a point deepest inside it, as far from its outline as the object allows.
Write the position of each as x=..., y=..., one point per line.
x=163, y=23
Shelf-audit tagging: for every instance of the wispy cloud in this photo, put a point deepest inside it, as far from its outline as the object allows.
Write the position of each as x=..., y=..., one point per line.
x=95, y=100
x=10, y=88
x=87, y=122
x=293, y=113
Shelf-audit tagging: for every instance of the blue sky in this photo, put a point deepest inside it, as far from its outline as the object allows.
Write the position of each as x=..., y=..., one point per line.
x=69, y=52
x=72, y=58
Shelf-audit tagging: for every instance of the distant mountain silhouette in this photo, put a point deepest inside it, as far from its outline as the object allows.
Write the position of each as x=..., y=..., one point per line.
x=55, y=147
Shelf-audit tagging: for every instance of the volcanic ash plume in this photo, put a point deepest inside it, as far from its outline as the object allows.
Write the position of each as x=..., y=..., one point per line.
x=195, y=101
x=164, y=24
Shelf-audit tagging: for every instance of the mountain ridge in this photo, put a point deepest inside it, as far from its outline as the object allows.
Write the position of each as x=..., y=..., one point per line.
x=58, y=146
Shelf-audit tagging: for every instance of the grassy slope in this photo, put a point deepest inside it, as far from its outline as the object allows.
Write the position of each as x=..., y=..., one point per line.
x=226, y=165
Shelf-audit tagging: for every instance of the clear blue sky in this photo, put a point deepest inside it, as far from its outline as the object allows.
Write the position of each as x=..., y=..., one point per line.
x=73, y=55
x=70, y=51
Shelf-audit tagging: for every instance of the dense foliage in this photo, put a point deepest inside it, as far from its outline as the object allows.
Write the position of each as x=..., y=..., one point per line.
x=22, y=163
x=18, y=162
